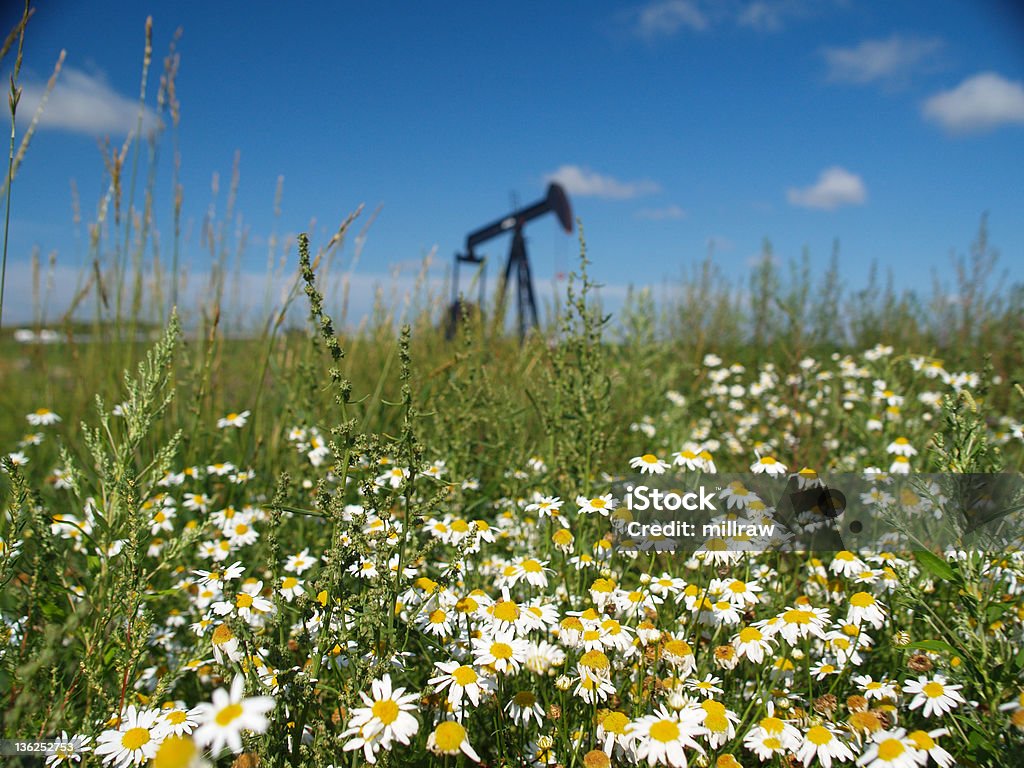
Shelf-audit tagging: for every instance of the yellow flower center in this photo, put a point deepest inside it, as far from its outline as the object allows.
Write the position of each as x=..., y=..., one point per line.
x=243, y=600
x=862, y=600
x=933, y=690
x=750, y=634
x=175, y=752
x=678, y=648
x=448, y=737
x=921, y=740
x=222, y=634
x=890, y=749
x=501, y=651
x=796, y=616
x=289, y=582
x=665, y=731
x=819, y=736
x=134, y=738
x=464, y=675
x=594, y=660
x=386, y=711
x=615, y=722
x=176, y=717
x=772, y=743
x=505, y=610
x=532, y=566
x=229, y=714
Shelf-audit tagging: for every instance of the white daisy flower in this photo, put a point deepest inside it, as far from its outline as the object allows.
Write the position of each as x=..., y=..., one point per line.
x=936, y=695
x=134, y=741
x=229, y=714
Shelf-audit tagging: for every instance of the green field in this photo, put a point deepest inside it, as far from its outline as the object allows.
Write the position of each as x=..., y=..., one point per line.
x=311, y=541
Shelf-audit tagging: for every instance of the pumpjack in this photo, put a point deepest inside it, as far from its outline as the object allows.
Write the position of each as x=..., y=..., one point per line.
x=518, y=265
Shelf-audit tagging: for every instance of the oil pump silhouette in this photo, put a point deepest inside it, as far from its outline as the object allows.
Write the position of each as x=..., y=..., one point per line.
x=518, y=265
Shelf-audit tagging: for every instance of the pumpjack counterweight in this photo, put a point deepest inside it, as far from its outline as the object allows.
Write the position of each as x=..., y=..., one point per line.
x=517, y=268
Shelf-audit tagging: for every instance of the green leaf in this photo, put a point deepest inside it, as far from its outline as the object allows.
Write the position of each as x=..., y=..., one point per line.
x=1019, y=658
x=995, y=611
x=939, y=646
x=934, y=565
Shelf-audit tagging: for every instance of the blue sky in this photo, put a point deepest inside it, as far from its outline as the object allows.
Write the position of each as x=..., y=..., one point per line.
x=890, y=126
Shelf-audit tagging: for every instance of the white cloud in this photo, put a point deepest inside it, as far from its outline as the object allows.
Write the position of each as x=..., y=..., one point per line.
x=890, y=60
x=668, y=213
x=835, y=187
x=663, y=18
x=84, y=103
x=584, y=182
x=980, y=103
x=768, y=16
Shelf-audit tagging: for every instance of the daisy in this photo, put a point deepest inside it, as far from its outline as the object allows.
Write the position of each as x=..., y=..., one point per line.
x=68, y=749
x=864, y=607
x=224, y=719
x=768, y=465
x=393, y=477
x=387, y=717
x=18, y=458
x=178, y=721
x=460, y=680
x=134, y=741
x=900, y=466
x=660, y=738
x=592, y=688
x=196, y=502
x=523, y=707
x=300, y=563
x=719, y=722
x=679, y=654
x=248, y=603
x=42, y=417
x=236, y=420
x=549, y=506
x=450, y=738
x=901, y=447
x=821, y=670
x=533, y=571
x=822, y=743
x=771, y=736
x=649, y=464
x=291, y=588
x=741, y=593
x=707, y=687
x=798, y=623
x=937, y=696
x=926, y=743
x=436, y=622
x=601, y=505
x=503, y=651
x=225, y=644
x=845, y=563
x=614, y=730
x=891, y=749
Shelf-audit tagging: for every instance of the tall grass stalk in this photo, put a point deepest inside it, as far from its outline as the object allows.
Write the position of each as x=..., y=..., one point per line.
x=12, y=101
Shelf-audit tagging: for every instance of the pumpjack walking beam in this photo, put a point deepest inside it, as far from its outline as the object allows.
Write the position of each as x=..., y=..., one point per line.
x=518, y=264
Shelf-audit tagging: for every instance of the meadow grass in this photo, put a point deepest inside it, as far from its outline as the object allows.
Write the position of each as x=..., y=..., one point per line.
x=402, y=507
